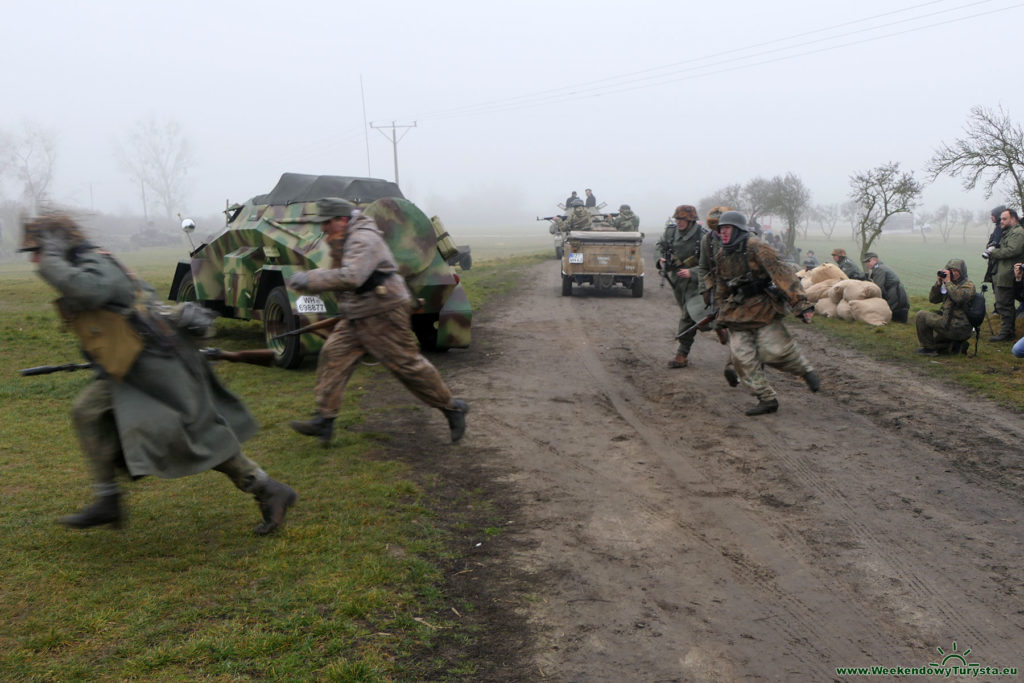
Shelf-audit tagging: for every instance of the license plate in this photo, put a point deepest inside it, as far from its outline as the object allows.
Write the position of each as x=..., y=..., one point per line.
x=575, y=258
x=310, y=304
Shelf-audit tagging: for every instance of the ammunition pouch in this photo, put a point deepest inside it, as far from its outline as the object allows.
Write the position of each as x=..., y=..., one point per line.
x=690, y=261
x=376, y=279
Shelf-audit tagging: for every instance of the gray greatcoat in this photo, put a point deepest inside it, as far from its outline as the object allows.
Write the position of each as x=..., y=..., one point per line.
x=174, y=417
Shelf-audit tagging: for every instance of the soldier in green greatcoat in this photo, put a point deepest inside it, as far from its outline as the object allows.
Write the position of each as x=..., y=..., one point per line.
x=626, y=221
x=678, y=253
x=155, y=406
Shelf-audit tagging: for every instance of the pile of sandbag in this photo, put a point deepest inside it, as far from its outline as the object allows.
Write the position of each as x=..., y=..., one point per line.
x=836, y=296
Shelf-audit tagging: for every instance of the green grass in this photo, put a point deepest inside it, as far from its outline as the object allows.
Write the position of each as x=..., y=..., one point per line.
x=352, y=589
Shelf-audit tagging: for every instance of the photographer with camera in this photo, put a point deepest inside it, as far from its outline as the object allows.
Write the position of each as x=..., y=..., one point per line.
x=954, y=291
x=1002, y=256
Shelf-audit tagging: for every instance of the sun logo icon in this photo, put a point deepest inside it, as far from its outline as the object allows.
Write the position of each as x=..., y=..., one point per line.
x=953, y=655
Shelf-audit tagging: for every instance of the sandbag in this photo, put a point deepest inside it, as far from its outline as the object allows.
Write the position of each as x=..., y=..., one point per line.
x=860, y=289
x=818, y=291
x=827, y=271
x=843, y=311
x=871, y=311
x=825, y=307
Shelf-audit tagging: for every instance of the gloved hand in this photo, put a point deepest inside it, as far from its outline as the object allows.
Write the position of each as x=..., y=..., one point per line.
x=990, y=249
x=299, y=281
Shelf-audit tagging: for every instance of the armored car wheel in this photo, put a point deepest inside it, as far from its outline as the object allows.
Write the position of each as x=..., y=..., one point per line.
x=186, y=288
x=566, y=285
x=278, y=319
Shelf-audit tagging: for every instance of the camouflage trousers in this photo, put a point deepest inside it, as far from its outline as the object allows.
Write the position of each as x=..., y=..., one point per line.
x=769, y=345
x=691, y=303
x=93, y=416
x=387, y=337
x=932, y=331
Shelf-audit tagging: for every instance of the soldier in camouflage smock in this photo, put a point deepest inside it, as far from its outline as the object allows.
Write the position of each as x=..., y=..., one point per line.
x=678, y=253
x=954, y=291
x=708, y=244
x=375, y=309
x=626, y=221
x=579, y=218
x=154, y=407
x=743, y=271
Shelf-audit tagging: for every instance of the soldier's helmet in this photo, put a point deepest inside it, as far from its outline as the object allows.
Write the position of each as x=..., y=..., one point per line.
x=333, y=207
x=714, y=214
x=624, y=208
x=735, y=219
x=574, y=202
x=686, y=213
x=51, y=223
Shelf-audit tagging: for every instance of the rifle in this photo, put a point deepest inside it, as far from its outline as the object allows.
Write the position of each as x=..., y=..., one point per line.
x=670, y=258
x=313, y=327
x=48, y=369
x=251, y=356
x=549, y=218
x=699, y=325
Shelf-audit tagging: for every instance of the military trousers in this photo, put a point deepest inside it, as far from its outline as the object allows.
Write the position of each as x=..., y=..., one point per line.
x=1006, y=309
x=691, y=303
x=95, y=423
x=388, y=337
x=769, y=345
x=932, y=331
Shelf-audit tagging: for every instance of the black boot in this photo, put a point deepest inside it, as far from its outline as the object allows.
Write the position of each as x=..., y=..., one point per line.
x=762, y=407
x=320, y=427
x=106, y=510
x=730, y=375
x=274, y=499
x=813, y=381
x=456, y=418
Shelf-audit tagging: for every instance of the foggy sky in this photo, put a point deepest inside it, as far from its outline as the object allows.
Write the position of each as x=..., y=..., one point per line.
x=261, y=88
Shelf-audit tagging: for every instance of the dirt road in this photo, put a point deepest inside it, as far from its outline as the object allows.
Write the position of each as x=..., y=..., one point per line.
x=655, y=533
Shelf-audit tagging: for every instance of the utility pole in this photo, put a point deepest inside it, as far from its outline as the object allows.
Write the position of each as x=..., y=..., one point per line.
x=394, y=139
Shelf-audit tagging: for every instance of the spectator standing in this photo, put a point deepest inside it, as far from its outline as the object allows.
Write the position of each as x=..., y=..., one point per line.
x=1008, y=251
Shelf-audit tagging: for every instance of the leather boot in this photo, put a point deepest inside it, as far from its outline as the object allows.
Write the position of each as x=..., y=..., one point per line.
x=730, y=375
x=274, y=499
x=813, y=381
x=1001, y=337
x=679, y=361
x=456, y=418
x=762, y=407
x=320, y=427
x=106, y=510
x=723, y=335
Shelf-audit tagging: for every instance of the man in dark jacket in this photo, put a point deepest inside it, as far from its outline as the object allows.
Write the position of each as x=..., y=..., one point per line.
x=375, y=308
x=954, y=291
x=892, y=290
x=846, y=264
x=155, y=406
x=1008, y=251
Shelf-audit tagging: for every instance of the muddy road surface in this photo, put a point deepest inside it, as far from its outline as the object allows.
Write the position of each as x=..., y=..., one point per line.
x=656, y=533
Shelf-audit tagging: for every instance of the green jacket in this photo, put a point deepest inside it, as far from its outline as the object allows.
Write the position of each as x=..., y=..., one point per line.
x=174, y=418
x=1009, y=251
x=892, y=289
x=627, y=222
x=954, y=300
x=684, y=246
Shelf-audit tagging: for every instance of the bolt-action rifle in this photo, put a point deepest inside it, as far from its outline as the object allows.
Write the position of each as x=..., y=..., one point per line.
x=252, y=356
x=701, y=324
x=312, y=327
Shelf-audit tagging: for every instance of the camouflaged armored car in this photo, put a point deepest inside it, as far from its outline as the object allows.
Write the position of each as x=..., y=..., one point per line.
x=241, y=271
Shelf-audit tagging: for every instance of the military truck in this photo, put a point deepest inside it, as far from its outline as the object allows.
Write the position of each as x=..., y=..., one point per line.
x=241, y=271
x=603, y=257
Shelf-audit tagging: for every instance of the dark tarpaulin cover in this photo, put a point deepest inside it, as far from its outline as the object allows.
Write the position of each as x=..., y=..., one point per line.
x=299, y=187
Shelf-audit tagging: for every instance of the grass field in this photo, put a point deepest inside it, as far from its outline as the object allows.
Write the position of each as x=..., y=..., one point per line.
x=352, y=589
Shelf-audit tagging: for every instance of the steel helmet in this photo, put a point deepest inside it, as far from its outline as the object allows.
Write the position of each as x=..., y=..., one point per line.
x=735, y=219
x=685, y=212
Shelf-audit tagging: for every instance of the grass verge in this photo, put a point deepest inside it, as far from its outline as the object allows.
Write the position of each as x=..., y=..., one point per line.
x=352, y=589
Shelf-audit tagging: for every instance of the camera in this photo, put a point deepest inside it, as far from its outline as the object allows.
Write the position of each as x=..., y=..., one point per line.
x=985, y=255
x=942, y=274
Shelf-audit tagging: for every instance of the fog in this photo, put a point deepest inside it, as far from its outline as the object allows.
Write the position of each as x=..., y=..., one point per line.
x=649, y=103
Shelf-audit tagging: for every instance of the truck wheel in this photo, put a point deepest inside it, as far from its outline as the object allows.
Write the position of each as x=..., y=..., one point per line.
x=186, y=288
x=566, y=285
x=277, y=319
x=558, y=252
x=638, y=287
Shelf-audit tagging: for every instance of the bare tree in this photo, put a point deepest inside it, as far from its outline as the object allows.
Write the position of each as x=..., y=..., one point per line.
x=158, y=158
x=940, y=219
x=759, y=196
x=881, y=193
x=962, y=219
x=992, y=149
x=725, y=196
x=828, y=216
x=29, y=158
x=789, y=200
x=851, y=212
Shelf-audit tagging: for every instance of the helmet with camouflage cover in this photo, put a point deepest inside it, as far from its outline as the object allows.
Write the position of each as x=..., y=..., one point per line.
x=685, y=212
x=574, y=202
x=56, y=224
x=714, y=214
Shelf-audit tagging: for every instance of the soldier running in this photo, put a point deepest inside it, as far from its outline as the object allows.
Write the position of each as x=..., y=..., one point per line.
x=375, y=308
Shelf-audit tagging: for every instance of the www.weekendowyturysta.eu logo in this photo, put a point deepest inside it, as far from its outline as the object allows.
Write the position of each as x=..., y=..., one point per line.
x=953, y=663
